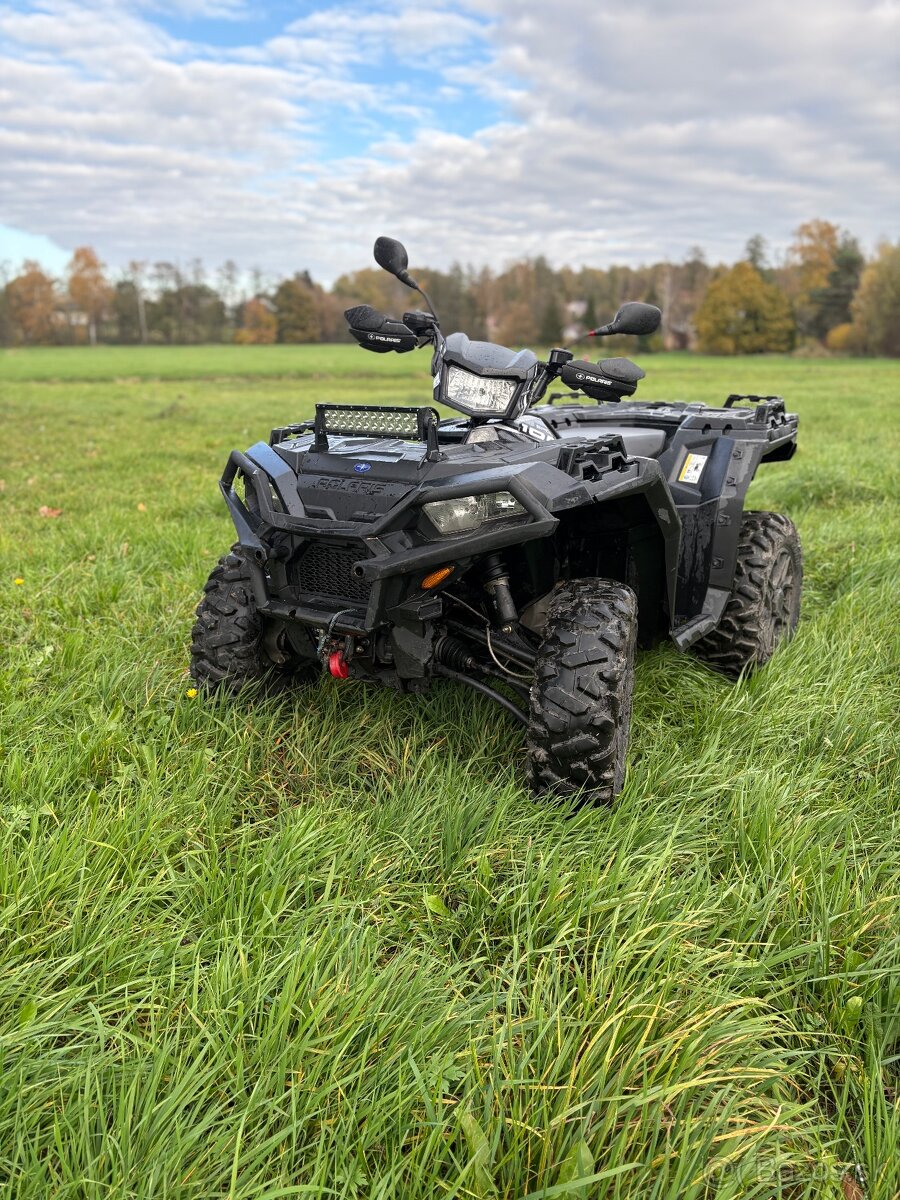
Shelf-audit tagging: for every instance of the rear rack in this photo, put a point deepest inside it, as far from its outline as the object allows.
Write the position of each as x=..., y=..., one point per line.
x=762, y=402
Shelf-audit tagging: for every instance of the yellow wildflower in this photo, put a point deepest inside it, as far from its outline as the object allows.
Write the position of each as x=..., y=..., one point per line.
x=191, y=693
x=18, y=581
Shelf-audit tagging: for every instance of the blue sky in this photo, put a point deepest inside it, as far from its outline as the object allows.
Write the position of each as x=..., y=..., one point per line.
x=287, y=136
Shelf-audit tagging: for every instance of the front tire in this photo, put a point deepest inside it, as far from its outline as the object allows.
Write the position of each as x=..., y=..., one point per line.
x=580, y=710
x=764, y=606
x=229, y=646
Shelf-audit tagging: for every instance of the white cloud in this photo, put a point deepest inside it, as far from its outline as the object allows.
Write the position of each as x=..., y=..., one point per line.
x=626, y=134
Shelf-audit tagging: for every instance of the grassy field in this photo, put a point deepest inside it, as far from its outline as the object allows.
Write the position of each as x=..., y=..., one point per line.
x=327, y=945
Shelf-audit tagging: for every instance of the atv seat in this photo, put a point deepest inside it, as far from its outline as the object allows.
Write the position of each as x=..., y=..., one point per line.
x=644, y=443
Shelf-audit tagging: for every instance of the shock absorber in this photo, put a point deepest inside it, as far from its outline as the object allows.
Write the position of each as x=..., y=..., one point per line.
x=496, y=584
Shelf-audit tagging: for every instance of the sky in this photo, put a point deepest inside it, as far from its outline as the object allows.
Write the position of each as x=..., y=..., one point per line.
x=288, y=136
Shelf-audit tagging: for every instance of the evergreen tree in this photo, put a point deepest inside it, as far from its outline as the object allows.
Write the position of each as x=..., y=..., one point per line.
x=125, y=312
x=756, y=252
x=832, y=302
x=590, y=313
x=551, y=323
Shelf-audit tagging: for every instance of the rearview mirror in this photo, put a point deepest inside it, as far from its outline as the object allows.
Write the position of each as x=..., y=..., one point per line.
x=635, y=317
x=391, y=256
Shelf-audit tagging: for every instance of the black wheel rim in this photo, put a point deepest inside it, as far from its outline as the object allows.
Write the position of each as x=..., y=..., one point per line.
x=779, y=603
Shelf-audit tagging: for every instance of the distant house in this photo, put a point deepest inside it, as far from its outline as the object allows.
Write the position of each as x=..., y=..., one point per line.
x=574, y=319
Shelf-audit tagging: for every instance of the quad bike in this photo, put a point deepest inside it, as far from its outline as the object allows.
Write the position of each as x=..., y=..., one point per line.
x=522, y=549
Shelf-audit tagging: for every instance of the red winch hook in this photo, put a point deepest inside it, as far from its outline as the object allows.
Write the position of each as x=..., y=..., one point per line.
x=338, y=665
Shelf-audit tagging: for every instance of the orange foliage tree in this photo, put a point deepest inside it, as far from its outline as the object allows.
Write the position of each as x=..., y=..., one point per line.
x=812, y=253
x=876, y=305
x=259, y=325
x=32, y=305
x=811, y=259
x=88, y=289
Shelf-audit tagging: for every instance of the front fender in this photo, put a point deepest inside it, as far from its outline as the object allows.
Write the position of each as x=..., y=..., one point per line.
x=622, y=477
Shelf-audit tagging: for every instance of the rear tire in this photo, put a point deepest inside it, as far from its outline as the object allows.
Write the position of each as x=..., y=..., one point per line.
x=229, y=648
x=581, y=696
x=764, y=606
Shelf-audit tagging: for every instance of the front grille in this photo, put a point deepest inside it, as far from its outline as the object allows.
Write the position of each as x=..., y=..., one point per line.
x=327, y=571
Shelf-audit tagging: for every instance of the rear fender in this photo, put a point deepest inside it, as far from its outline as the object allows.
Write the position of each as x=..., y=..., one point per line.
x=711, y=509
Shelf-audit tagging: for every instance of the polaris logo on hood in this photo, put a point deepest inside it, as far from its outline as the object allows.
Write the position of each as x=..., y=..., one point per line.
x=360, y=468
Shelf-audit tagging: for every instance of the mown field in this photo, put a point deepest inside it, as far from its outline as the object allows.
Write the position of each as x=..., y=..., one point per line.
x=328, y=946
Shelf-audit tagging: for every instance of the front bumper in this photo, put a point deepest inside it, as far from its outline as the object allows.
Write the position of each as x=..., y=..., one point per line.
x=388, y=566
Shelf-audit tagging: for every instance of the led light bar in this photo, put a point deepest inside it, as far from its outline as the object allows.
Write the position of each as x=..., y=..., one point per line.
x=358, y=420
x=375, y=421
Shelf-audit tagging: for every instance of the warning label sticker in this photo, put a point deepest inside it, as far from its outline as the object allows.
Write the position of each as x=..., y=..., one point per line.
x=692, y=468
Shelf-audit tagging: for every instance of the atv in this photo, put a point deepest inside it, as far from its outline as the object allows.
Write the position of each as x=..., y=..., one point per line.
x=521, y=549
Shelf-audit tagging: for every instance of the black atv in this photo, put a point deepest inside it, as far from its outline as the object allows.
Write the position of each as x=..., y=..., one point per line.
x=522, y=550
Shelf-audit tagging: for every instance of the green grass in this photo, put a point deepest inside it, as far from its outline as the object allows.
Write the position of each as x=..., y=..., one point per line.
x=130, y=363
x=327, y=945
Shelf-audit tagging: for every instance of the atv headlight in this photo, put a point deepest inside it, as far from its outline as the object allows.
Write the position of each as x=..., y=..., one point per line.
x=478, y=394
x=468, y=512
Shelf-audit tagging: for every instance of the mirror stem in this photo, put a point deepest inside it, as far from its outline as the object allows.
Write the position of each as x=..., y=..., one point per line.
x=411, y=283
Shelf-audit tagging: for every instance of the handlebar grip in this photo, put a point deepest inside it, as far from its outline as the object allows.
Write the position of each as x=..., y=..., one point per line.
x=608, y=380
x=376, y=331
x=364, y=316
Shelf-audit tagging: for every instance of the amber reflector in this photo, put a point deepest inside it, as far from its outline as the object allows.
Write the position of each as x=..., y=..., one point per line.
x=436, y=577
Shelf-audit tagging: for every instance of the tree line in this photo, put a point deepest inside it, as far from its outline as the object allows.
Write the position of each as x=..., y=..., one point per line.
x=823, y=297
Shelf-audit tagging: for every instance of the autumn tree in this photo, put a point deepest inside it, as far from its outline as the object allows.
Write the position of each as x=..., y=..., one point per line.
x=810, y=261
x=876, y=305
x=812, y=253
x=32, y=306
x=743, y=314
x=516, y=303
x=332, y=326
x=88, y=289
x=374, y=286
x=516, y=325
x=259, y=325
x=296, y=311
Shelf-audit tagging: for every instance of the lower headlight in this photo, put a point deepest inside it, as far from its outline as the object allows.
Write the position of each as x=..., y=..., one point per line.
x=468, y=512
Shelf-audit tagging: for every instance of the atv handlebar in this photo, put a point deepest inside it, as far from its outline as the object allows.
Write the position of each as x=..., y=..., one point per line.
x=610, y=379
